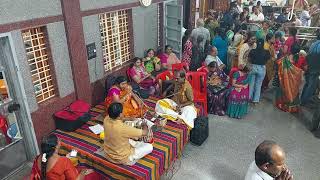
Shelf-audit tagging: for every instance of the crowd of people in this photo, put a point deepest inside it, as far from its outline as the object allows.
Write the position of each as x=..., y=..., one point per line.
x=239, y=65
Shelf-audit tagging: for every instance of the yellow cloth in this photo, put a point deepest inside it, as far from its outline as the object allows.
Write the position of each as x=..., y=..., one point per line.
x=270, y=64
x=166, y=108
x=116, y=140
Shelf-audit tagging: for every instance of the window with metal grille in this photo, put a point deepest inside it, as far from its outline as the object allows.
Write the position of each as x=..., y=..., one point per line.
x=37, y=55
x=114, y=38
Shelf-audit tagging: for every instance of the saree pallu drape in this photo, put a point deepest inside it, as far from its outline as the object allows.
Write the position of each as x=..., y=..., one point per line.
x=287, y=96
x=130, y=106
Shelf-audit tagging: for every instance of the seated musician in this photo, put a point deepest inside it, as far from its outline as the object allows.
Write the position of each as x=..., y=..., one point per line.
x=181, y=107
x=118, y=144
x=50, y=165
x=121, y=92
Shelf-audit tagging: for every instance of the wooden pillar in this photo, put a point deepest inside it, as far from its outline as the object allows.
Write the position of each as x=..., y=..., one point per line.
x=77, y=48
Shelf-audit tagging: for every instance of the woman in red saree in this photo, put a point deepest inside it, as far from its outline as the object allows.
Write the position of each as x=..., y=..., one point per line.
x=290, y=77
x=49, y=165
x=122, y=93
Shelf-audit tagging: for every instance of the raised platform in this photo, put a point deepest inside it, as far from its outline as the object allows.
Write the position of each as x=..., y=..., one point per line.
x=168, y=146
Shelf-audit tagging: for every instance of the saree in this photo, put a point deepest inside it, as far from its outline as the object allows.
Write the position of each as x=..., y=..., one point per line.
x=287, y=94
x=238, y=100
x=130, y=106
x=269, y=65
x=69, y=171
x=169, y=59
x=151, y=63
x=166, y=108
x=217, y=92
x=148, y=83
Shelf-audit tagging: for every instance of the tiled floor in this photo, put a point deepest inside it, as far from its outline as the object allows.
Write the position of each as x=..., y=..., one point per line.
x=230, y=147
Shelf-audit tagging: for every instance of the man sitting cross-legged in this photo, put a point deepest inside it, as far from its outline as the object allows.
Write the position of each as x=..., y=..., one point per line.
x=118, y=144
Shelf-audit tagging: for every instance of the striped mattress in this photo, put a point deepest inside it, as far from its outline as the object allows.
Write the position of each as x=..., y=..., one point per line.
x=167, y=147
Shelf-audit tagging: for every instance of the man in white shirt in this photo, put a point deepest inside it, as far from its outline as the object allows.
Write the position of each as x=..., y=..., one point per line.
x=239, y=6
x=256, y=16
x=305, y=17
x=269, y=163
x=212, y=56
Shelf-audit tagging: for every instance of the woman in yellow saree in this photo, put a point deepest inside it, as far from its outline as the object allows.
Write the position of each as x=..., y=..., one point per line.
x=122, y=92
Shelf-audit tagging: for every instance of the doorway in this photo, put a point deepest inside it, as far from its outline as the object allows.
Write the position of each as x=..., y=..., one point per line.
x=17, y=138
x=173, y=26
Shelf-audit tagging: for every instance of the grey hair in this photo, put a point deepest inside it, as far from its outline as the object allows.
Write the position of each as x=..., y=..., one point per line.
x=200, y=22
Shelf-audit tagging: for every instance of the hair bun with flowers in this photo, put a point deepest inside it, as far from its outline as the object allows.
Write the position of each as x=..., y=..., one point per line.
x=44, y=157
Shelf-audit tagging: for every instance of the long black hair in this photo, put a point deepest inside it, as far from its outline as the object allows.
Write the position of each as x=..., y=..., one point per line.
x=186, y=36
x=48, y=147
x=250, y=34
x=149, y=50
x=119, y=80
x=134, y=61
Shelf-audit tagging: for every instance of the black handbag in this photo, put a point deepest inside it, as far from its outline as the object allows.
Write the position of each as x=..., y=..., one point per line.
x=200, y=132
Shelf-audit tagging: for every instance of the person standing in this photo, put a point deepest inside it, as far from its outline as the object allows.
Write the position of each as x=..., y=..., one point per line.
x=258, y=58
x=305, y=16
x=256, y=16
x=269, y=46
x=290, y=77
x=187, y=47
x=269, y=163
x=292, y=39
x=313, y=71
x=283, y=17
x=198, y=54
x=245, y=48
x=221, y=43
x=201, y=31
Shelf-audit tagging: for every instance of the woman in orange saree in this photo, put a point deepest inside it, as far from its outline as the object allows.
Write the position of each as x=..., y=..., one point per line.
x=50, y=165
x=290, y=77
x=121, y=92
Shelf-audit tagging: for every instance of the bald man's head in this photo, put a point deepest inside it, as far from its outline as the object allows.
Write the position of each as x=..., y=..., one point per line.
x=270, y=158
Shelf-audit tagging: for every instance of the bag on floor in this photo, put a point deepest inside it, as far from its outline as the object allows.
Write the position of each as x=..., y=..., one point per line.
x=200, y=132
x=73, y=116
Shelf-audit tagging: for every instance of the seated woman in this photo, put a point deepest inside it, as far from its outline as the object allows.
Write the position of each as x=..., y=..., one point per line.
x=50, y=165
x=122, y=93
x=168, y=58
x=238, y=100
x=145, y=80
x=217, y=89
x=181, y=107
x=152, y=63
x=119, y=144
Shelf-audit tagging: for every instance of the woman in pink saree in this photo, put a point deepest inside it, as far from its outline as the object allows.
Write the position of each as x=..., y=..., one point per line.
x=139, y=74
x=168, y=58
